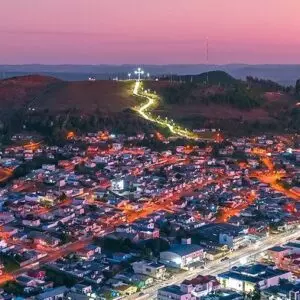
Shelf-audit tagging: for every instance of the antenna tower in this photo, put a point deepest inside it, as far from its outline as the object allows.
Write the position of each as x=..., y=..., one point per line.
x=207, y=60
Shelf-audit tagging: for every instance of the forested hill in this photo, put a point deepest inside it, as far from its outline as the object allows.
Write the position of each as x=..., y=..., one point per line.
x=218, y=87
x=212, y=78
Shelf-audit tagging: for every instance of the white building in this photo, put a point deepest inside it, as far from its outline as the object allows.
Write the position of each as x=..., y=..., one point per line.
x=182, y=256
x=200, y=286
x=151, y=269
x=246, y=278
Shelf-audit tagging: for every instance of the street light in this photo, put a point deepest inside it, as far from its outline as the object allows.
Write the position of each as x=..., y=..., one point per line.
x=129, y=75
x=139, y=72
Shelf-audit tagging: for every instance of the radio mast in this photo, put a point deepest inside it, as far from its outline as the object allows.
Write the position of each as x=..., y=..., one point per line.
x=207, y=60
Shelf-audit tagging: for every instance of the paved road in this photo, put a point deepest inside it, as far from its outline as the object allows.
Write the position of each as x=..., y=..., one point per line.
x=143, y=111
x=217, y=267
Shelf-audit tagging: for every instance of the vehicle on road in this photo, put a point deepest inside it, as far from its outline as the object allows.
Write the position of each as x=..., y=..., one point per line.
x=224, y=258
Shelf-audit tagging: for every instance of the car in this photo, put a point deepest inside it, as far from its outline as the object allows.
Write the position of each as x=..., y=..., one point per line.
x=224, y=258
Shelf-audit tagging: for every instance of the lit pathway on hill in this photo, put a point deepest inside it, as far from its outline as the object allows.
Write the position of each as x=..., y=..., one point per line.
x=144, y=112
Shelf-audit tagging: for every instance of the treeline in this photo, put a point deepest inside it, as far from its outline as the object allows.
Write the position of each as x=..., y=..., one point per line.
x=191, y=93
x=55, y=127
x=263, y=84
x=237, y=97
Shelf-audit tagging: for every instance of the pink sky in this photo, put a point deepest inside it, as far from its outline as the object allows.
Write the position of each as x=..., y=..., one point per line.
x=149, y=31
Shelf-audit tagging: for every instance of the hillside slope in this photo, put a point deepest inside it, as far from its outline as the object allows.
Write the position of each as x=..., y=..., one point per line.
x=16, y=92
x=49, y=105
x=226, y=102
x=47, y=93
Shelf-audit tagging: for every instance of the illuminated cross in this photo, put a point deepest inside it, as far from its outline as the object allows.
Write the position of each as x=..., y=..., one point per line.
x=139, y=72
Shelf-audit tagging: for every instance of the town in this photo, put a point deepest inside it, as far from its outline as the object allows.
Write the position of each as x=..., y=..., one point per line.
x=107, y=216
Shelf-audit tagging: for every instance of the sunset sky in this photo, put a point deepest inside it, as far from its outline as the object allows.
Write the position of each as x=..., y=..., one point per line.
x=149, y=31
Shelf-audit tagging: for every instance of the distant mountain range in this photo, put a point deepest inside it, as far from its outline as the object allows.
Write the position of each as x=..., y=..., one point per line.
x=283, y=74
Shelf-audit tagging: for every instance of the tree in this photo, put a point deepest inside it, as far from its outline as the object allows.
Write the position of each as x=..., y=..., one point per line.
x=147, y=253
x=297, y=88
x=255, y=295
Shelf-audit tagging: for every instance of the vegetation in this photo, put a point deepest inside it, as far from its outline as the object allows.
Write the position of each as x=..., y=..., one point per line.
x=10, y=263
x=58, y=278
x=53, y=121
x=297, y=88
x=264, y=85
x=12, y=287
x=221, y=89
x=212, y=78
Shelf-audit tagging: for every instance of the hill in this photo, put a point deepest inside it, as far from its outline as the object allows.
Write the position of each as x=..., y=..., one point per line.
x=212, y=77
x=48, y=93
x=52, y=106
x=16, y=92
x=226, y=102
x=87, y=97
x=283, y=74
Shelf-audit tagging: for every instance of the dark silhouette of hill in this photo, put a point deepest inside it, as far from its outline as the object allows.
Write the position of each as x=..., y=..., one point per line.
x=37, y=92
x=283, y=74
x=16, y=92
x=52, y=106
x=211, y=78
x=225, y=100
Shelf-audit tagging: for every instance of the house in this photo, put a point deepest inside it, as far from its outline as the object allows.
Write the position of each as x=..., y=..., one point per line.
x=246, y=278
x=126, y=289
x=148, y=233
x=224, y=294
x=82, y=288
x=182, y=256
x=154, y=270
x=89, y=251
x=27, y=281
x=174, y=292
x=39, y=274
x=201, y=285
x=53, y=294
x=291, y=263
x=294, y=245
x=46, y=240
x=277, y=253
x=284, y=291
x=8, y=231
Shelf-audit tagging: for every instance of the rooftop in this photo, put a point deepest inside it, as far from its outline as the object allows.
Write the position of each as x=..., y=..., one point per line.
x=200, y=280
x=52, y=293
x=277, y=249
x=253, y=273
x=184, y=250
x=174, y=289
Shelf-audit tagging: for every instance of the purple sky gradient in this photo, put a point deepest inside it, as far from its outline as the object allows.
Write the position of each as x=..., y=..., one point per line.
x=149, y=31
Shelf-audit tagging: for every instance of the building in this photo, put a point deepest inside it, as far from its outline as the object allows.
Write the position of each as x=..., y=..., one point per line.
x=224, y=294
x=154, y=270
x=291, y=263
x=227, y=234
x=200, y=286
x=182, y=256
x=53, y=294
x=277, y=253
x=247, y=278
x=295, y=246
x=284, y=291
x=173, y=292
x=126, y=289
